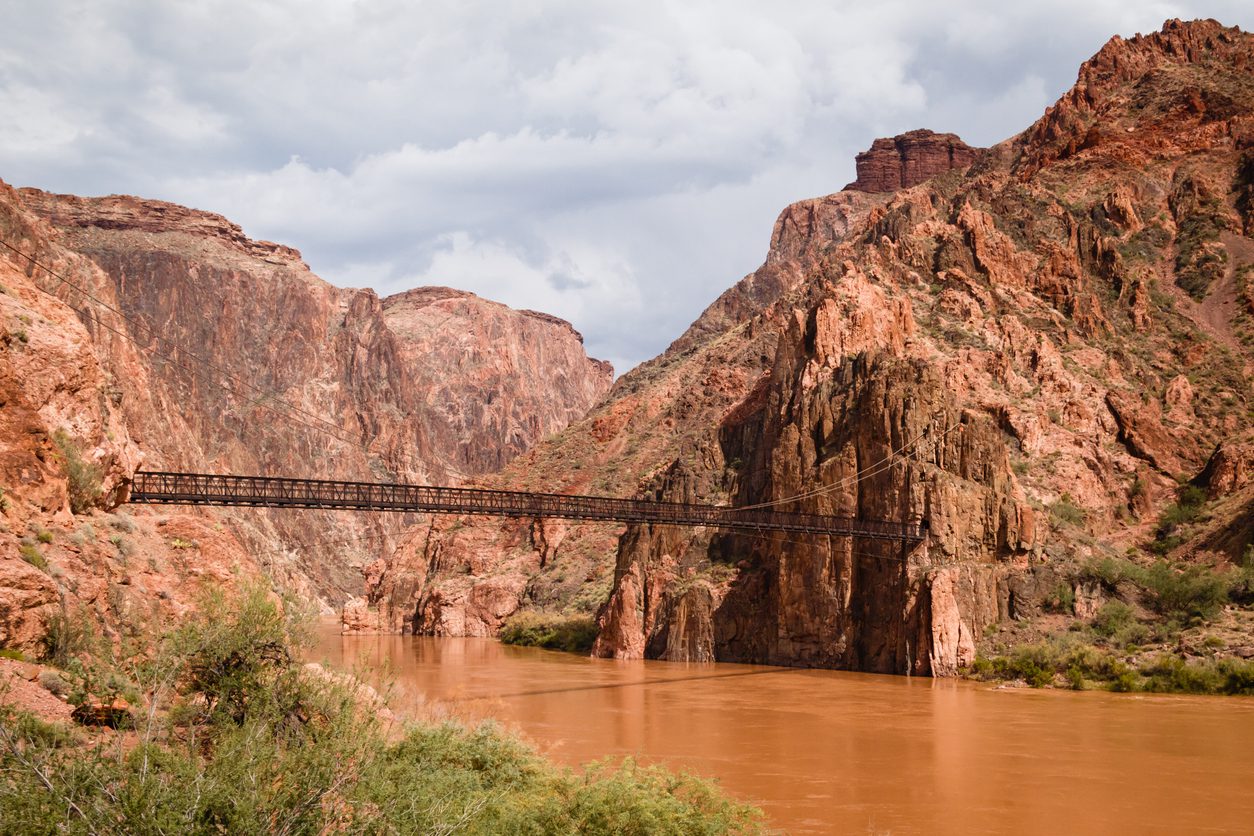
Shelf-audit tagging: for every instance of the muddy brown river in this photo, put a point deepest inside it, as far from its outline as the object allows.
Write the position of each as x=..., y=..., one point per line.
x=834, y=752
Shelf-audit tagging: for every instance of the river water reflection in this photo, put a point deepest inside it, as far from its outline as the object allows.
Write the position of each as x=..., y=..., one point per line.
x=833, y=752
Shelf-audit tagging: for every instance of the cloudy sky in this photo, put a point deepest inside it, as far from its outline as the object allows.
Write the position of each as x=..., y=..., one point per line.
x=617, y=164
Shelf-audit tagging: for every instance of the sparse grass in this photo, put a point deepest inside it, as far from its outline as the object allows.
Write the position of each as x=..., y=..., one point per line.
x=571, y=633
x=1071, y=661
x=1066, y=511
x=30, y=553
x=122, y=523
x=66, y=636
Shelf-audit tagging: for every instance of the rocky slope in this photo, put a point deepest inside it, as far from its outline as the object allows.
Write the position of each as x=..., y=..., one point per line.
x=1027, y=354
x=201, y=349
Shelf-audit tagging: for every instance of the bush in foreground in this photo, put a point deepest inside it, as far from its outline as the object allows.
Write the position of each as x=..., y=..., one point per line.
x=238, y=737
x=572, y=633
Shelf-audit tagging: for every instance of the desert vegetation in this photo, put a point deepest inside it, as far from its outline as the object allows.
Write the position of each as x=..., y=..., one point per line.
x=1161, y=628
x=226, y=731
x=553, y=631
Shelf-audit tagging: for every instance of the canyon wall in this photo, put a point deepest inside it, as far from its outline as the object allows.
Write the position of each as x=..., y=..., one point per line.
x=164, y=338
x=1025, y=353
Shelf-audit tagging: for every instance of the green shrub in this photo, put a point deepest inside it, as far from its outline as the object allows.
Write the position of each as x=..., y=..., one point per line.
x=1188, y=592
x=82, y=477
x=285, y=750
x=26, y=728
x=12, y=653
x=1188, y=507
x=1110, y=571
x=238, y=651
x=1117, y=622
x=30, y=553
x=571, y=633
x=44, y=536
x=1114, y=616
x=66, y=636
x=1061, y=599
x=1066, y=511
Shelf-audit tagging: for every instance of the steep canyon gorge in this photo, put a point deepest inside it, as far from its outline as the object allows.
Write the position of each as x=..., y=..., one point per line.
x=1025, y=347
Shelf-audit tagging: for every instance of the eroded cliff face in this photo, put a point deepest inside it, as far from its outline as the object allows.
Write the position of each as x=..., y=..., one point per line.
x=1025, y=353
x=493, y=381
x=62, y=376
x=466, y=577
x=1021, y=358
x=204, y=350
x=902, y=161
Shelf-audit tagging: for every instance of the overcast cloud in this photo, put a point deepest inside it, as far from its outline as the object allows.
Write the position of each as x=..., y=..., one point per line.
x=616, y=164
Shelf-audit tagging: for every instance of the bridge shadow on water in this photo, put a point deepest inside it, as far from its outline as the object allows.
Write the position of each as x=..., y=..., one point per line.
x=612, y=685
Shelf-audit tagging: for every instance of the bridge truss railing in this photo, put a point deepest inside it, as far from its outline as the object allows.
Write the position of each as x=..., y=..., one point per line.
x=277, y=492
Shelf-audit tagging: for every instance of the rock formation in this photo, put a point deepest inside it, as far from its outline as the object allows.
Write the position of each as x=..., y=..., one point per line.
x=905, y=160
x=1026, y=355
x=200, y=349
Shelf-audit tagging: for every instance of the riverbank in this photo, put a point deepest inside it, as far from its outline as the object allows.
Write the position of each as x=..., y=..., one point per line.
x=831, y=752
x=218, y=727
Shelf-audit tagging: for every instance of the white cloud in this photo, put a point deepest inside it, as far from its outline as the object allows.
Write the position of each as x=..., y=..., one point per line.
x=615, y=164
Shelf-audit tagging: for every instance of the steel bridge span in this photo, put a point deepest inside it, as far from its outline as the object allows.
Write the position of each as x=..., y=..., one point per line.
x=165, y=488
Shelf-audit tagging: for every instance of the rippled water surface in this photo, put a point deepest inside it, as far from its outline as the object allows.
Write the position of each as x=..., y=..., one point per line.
x=831, y=752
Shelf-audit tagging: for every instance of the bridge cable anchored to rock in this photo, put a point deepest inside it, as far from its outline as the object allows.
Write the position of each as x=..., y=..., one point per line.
x=166, y=488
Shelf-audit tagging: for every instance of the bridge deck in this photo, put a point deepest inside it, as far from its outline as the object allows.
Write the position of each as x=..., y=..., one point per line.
x=274, y=492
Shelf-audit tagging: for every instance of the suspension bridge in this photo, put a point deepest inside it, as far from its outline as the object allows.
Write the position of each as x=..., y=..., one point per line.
x=167, y=488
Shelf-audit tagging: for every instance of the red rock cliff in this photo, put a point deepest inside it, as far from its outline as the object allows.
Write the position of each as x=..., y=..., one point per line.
x=230, y=355
x=908, y=159
x=1026, y=356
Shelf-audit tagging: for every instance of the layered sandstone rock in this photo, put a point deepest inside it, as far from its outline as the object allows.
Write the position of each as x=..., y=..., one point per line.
x=164, y=337
x=1004, y=355
x=465, y=577
x=905, y=160
x=269, y=369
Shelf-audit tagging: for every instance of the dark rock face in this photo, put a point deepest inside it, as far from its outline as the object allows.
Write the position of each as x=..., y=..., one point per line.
x=1002, y=328
x=906, y=160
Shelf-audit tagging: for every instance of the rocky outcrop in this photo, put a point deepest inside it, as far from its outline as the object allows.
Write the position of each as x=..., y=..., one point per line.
x=158, y=335
x=494, y=380
x=291, y=375
x=905, y=160
x=1178, y=109
x=458, y=577
x=909, y=385
x=1229, y=470
x=1001, y=353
